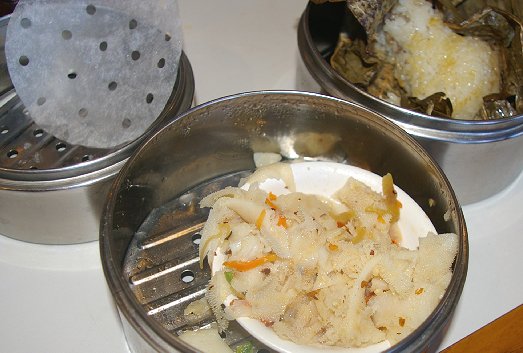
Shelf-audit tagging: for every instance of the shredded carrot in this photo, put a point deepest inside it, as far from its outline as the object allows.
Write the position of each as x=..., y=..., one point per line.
x=333, y=247
x=249, y=265
x=282, y=221
x=267, y=323
x=268, y=200
x=368, y=296
x=401, y=321
x=260, y=218
x=313, y=294
x=270, y=204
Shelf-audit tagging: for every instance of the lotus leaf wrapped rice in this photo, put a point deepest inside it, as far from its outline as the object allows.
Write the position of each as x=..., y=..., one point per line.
x=460, y=59
x=429, y=57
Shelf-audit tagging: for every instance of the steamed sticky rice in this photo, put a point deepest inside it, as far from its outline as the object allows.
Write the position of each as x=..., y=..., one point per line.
x=429, y=57
x=450, y=59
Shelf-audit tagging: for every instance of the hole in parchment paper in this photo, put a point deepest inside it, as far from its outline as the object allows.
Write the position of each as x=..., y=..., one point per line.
x=149, y=98
x=25, y=22
x=38, y=133
x=72, y=75
x=103, y=46
x=135, y=55
x=126, y=123
x=167, y=37
x=23, y=60
x=187, y=276
x=161, y=63
x=82, y=113
x=60, y=146
x=133, y=24
x=90, y=9
x=66, y=34
x=40, y=101
x=4, y=130
x=112, y=86
x=12, y=154
x=196, y=238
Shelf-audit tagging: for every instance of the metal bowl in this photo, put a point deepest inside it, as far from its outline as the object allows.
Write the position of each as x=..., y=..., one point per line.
x=150, y=223
x=480, y=158
x=52, y=192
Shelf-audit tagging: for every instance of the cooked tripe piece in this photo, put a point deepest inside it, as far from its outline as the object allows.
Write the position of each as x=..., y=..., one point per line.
x=321, y=271
x=429, y=57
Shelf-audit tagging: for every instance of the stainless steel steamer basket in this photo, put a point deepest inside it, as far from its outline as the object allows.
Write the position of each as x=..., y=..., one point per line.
x=480, y=158
x=150, y=224
x=52, y=192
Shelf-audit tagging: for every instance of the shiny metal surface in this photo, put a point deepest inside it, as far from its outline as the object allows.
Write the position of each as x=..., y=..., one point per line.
x=149, y=229
x=63, y=211
x=161, y=264
x=52, y=192
x=480, y=158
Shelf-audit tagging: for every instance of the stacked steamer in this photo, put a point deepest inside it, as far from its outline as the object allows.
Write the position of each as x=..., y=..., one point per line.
x=86, y=83
x=155, y=222
x=447, y=74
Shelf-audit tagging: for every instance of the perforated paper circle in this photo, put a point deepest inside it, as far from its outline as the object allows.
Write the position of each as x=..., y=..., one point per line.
x=94, y=73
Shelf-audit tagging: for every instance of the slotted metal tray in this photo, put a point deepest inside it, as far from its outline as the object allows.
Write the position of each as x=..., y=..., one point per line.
x=162, y=263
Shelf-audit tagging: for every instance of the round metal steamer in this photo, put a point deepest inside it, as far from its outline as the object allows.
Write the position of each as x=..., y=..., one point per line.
x=52, y=192
x=149, y=231
x=480, y=158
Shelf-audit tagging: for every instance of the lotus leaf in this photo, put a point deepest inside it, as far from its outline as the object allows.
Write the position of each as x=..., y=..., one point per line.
x=499, y=22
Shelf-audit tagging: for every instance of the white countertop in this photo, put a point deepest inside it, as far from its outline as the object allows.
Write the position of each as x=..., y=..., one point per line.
x=55, y=299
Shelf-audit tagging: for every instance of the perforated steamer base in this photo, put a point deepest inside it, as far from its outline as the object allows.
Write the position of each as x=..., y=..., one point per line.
x=26, y=146
x=162, y=263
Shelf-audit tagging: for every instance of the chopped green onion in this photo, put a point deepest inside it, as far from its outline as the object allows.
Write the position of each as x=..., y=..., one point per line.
x=246, y=347
x=228, y=276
